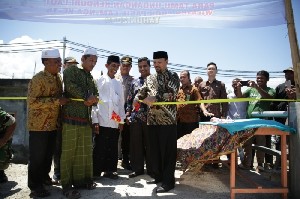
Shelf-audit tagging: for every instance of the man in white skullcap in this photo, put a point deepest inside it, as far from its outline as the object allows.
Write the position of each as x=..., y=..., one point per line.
x=43, y=103
x=76, y=158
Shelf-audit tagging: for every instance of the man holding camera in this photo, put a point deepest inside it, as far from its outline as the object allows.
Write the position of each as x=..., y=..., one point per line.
x=257, y=90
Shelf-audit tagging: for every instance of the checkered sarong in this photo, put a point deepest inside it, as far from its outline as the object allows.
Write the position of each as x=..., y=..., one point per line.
x=76, y=158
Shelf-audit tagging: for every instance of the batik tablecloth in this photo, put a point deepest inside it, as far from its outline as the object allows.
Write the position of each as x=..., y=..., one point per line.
x=213, y=139
x=208, y=142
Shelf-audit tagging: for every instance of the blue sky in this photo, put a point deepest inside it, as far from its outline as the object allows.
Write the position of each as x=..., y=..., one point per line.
x=237, y=49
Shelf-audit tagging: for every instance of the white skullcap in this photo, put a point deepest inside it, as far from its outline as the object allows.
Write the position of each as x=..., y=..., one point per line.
x=90, y=51
x=50, y=53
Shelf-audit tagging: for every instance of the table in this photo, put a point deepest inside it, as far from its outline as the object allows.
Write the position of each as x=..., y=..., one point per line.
x=283, y=189
x=212, y=140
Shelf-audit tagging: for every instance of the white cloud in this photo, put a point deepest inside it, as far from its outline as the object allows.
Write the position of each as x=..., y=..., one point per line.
x=23, y=64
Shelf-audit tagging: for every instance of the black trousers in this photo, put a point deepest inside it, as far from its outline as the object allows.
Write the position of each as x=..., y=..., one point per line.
x=41, y=148
x=105, y=151
x=139, y=147
x=163, y=151
x=125, y=144
x=185, y=128
x=57, y=155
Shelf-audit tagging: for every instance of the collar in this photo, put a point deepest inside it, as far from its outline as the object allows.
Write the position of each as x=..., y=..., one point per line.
x=187, y=86
x=207, y=81
x=46, y=73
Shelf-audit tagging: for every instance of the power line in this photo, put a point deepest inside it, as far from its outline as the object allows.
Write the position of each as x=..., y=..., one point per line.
x=78, y=47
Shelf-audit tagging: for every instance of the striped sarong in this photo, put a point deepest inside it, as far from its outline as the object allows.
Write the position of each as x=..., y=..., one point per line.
x=76, y=159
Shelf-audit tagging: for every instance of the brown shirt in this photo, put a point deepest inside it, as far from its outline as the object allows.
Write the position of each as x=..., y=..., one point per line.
x=44, y=91
x=188, y=113
x=214, y=90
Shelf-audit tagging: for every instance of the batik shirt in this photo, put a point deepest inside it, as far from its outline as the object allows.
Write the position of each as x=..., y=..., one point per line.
x=164, y=86
x=214, y=90
x=79, y=84
x=139, y=113
x=44, y=91
x=188, y=113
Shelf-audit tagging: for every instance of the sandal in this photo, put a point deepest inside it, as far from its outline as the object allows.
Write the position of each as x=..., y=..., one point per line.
x=91, y=186
x=72, y=194
x=40, y=193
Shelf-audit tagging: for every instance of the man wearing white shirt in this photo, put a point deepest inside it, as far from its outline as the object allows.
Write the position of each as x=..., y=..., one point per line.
x=107, y=120
x=236, y=110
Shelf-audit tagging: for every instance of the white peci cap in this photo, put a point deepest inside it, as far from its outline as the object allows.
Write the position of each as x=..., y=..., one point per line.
x=90, y=51
x=50, y=53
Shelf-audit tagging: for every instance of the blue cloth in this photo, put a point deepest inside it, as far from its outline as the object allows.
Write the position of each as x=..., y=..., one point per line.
x=243, y=124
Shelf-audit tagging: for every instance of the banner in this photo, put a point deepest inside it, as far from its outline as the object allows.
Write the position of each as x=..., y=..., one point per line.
x=165, y=13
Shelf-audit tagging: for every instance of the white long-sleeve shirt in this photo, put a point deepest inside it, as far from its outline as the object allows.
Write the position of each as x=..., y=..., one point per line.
x=112, y=95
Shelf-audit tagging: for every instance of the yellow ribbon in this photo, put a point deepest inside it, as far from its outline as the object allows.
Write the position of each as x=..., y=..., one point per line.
x=183, y=102
x=223, y=100
x=81, y=100
x=25, y=98
x=13, y=98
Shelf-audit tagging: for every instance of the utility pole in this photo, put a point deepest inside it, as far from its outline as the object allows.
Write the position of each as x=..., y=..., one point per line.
x=294, y=108
x=34, y=68
x=64, y=50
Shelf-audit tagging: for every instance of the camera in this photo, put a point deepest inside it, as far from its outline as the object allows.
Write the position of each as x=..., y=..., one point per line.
x=244, y=83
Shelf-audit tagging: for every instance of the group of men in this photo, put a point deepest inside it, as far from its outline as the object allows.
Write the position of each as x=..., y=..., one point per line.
x=188, y=114
x=79, y=120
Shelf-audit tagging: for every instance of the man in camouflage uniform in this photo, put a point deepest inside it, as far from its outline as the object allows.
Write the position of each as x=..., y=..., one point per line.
x=7, y=127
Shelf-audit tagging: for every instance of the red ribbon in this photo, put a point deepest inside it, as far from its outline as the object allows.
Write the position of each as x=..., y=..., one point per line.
x=115, y=117
x=137, y=106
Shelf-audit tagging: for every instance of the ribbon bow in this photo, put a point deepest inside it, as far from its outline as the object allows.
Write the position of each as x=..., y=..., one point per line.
x=115, y=117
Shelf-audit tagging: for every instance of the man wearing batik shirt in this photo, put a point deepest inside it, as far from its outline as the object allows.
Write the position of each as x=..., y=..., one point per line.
x=161, y=119
x=108, y=117
x=76, y=158
x=139, y=141
x=213, y=89
x=43, y=103
x=187, y=114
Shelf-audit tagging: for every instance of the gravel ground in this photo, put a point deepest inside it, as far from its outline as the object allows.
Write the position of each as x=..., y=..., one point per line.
x=207, y=184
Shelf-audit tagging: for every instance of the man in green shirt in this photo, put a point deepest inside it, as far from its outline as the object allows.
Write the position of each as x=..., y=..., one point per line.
x=76, y=157
x=257, y=90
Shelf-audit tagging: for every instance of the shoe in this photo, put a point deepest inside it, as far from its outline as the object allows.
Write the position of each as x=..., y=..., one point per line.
x=153, y=181
x=72, y=194
x=134, y=174
x=111, y=175
x=126, y=165
x=39, y=193
x=55, y=182
x=91, y=185
x=3, y=178
x=243, y=167
x=260, y=168
x=49, y=182
x=164, y=189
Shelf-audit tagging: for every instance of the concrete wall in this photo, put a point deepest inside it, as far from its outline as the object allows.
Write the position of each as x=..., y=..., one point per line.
x=17, y=88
